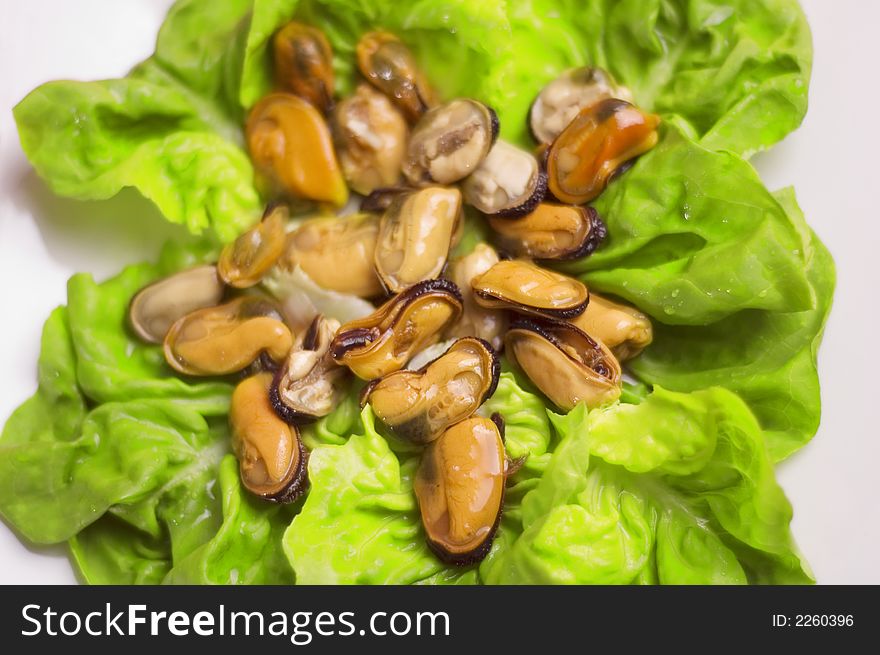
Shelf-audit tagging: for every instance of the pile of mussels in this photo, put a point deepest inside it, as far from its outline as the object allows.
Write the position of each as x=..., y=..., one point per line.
x=416, y=162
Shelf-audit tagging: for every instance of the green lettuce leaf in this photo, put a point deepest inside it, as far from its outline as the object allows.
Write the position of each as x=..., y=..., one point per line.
x=667, y=431
x=140, y=487
x=527, y=439
x=694, y=237
x=61, y=468
x=246, y=547
x=360, y=523
x=167, y=129
x=768, y=358
x=56, y=411
x=112, y=363
x=737, y=70
x=49, y=490
x=591, y=520
x=336, y=426
x=112, y=552
x=527, y=431
x=738, y=285
x=238, y=545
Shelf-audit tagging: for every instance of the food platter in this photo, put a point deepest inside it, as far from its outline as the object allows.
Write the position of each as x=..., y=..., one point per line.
x=46, y=239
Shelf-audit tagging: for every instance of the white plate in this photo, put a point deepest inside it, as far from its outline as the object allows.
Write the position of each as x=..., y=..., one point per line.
x=831, y=160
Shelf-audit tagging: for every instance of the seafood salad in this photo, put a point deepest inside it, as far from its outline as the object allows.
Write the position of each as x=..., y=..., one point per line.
x=456, y=307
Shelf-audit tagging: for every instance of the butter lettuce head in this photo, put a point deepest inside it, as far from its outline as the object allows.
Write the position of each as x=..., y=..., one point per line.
x=131, y=465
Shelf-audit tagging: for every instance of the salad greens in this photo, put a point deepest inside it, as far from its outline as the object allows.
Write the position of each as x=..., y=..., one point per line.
x=703, y=510
x=131, y=465
x=736, y=70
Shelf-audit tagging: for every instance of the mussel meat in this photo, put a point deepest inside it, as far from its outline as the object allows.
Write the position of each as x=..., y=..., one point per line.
x=415, y=235
x=304, y=63
x=508, y=183
x=460, y=489
x=309, y=384
x=385, y=340
x=159, y=305
x=390, y=66
x=418, y=406
x=227, y=338
x=551, y=232
x=487, y=324
x=600, y=140
x=370, y=136
x=337, y=253
x=271, y=456
x=450, y=142
x=292, y=150
x=245, y=261
x=380, y=199
x=526, y=288
x=624, y=329
x=560, y=101
x=564, y=362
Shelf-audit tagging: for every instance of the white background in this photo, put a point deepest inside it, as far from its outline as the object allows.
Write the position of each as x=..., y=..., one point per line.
x=832, y=161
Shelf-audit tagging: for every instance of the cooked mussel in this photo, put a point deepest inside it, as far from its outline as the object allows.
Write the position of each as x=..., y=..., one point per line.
x=524, y=287
x=380, y=199
x=390, y=66
x=415, y=235
x=508, y=183
x=336, y=253
x=600, y=140
x=304, y=63
x=450, y=142
x=460, y=488
x=309, y=384
x=385, y=340
x=159, y=305
x=292, y=150
x=227, y=338
x=271, y=457
x=624, y=329
x=370, y=136
x=418, y=406
x=245, y=261
x=560, y=101
x=487, y=324
x=551, y=232
x=564, y=362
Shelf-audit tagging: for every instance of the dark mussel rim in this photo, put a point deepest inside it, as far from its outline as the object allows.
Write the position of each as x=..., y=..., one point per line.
x=596, y=237
x=284, y=411
x=477, y=554
x=498, y=420
x=310, y=339
x=546, y=327
x=363, y=336
x=298, y=484
x=494, y=372
x=272, y=205
x=527, y=207
x=542, y=312
x=494, y=125
x=380, y=199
